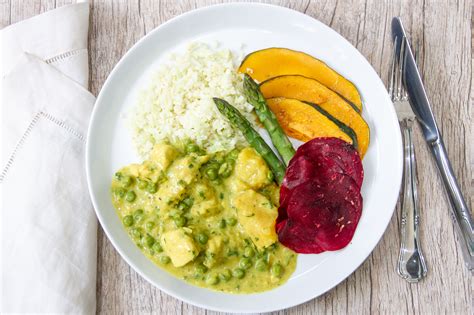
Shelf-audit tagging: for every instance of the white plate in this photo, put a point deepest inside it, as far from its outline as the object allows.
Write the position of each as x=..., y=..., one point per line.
x=255, y=26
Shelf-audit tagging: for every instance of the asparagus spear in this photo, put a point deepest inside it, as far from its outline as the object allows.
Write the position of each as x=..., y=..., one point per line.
x=268, y=119
x=252, y=136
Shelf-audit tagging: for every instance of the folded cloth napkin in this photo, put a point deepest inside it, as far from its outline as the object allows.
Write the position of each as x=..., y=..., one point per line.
x=48, y=227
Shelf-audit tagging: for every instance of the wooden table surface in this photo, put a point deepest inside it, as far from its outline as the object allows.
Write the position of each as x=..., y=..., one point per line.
x=442, y=30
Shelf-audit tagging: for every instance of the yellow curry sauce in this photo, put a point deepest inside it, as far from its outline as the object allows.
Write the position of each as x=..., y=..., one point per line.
x=207, y=219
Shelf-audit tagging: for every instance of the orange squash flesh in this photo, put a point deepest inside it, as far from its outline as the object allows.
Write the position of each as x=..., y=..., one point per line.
x=268, y=63
x=303, y=122
x=310, y=90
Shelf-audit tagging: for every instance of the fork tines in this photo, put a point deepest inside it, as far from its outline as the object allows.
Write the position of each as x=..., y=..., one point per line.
x=396, y=90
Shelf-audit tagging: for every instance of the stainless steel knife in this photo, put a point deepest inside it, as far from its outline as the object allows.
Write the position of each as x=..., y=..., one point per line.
x=421, y=106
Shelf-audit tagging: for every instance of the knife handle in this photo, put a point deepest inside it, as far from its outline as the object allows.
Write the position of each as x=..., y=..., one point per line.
x=460, y=212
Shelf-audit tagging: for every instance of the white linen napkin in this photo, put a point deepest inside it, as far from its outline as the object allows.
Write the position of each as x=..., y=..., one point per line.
x=48, y=227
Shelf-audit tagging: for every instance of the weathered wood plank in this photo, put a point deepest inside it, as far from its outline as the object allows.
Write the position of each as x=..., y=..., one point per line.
x=20, y=10
x=443, y=33
x=5, y=13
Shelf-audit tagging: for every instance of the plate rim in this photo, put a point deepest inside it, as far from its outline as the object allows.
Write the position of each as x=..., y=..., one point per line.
x=88, y=153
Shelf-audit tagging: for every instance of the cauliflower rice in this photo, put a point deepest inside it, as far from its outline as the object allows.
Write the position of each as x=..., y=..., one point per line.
x=178, y=104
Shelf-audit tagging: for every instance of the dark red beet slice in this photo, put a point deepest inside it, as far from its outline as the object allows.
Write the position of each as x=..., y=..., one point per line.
x=300, y=240
x=324, y=154
x=328, y=210
x=320, y=201
x=318, y=158
x=300, y=170
x=303, y=169
x=284, y=195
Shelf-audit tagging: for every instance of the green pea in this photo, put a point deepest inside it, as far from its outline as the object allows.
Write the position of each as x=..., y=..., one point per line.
x=231, y=162
x=188, y=201
x=202, y=194
x=212, y=279
x=233, y=155
x=142, y=184
x=180, y=221
x=238, y=273
x=219, y=159
x=149, y=225
x=148, y=240
x=175, y=213
x=232, y=252
x=126, y=181
x=157, y=247
x=136, y=233
x=118, y=176
x=266, y=256
x=249, y=252
x=191, y=147
x=232, y=221
x=277, y=270
x=211, y=173
x=152, y=188
x=182, y=206
x=120, y=192
x=270, y=176
x=225, y=275
x=128, y=220
x=201, y=269
x=216, y=181
x=165, y=260
x=261, y=265
x=245, y=263
x=214, y=164
x=227, y=174
x=202, y=238
x=273, y=247
x=222, y=224
x=130, y=196
x=225, y=170
x=138, y=214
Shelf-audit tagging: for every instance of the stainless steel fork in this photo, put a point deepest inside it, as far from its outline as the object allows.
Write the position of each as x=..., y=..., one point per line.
x=411, y=263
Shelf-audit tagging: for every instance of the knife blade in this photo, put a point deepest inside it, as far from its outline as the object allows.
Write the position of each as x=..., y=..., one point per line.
x=420, y=104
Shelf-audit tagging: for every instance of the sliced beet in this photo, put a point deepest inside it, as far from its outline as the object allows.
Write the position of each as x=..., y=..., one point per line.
x=300, y=240
x=303, y=168
x=330, y=210
x=284, y=197
x=325, y=154
x=320, y=201
x=300, y=169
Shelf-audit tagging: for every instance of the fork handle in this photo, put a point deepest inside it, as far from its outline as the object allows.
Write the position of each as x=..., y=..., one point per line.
x=411, y=263
x=460, y=212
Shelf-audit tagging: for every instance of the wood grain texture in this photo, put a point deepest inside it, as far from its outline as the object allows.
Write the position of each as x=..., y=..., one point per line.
x=442, y=31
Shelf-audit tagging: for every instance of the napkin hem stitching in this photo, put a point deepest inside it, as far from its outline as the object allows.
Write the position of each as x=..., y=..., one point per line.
x=65, y=55
x=25, y=135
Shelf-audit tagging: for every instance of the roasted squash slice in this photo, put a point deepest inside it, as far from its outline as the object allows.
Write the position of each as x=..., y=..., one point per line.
x=267, y=63
x=310, y=90
x=304, y=122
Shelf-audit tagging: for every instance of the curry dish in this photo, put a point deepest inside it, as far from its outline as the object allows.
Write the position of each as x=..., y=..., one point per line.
x=207, y=219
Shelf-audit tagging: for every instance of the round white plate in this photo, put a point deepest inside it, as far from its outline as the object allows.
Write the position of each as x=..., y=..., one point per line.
x=247, y=27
